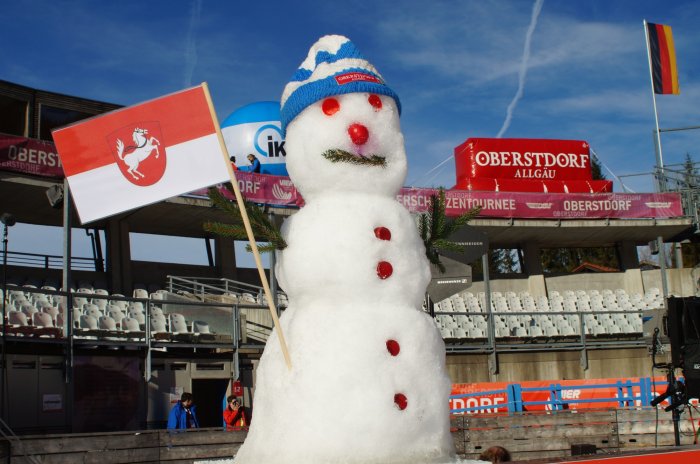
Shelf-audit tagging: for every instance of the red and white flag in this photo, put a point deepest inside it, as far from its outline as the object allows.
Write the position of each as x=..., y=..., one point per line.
x=142, y=154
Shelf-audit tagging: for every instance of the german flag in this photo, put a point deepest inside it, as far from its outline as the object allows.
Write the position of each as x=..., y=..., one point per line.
x=662, y=54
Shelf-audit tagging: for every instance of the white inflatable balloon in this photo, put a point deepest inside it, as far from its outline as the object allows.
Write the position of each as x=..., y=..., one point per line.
x=256, y=129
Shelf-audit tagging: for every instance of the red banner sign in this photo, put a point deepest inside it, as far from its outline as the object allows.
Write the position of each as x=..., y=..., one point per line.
x=523, y=159
x=526, y=165
x=29, y=156
x=550, y=206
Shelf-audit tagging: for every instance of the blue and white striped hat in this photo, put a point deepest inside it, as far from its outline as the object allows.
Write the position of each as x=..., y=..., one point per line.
x=334, y=66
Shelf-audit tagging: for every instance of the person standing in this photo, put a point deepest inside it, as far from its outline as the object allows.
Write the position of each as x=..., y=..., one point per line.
x=235, y=415
x=184, y=414
x=254, y=164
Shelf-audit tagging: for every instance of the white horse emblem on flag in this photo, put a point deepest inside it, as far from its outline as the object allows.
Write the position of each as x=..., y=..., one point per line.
x=144, y=148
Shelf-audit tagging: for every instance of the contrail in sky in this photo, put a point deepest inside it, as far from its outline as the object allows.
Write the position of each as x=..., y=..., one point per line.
x=191, y=42
x=537, y=7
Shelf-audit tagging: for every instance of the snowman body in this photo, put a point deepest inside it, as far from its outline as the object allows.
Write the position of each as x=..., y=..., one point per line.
x=368, y=382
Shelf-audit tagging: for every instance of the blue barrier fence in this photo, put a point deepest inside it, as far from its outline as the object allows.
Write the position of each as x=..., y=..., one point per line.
x=627, y=394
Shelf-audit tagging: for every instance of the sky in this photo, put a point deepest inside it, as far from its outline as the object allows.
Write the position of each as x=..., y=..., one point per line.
x=530, y=69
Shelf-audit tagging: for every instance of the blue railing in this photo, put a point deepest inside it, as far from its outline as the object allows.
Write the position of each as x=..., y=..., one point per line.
x=512, y=397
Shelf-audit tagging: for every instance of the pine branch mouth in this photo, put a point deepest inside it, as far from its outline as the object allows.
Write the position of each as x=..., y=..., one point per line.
x=336, y=155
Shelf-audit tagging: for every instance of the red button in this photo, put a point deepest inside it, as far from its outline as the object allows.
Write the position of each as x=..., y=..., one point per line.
x=384, y=269
x=393, y=347
x=382, y=233
x=400, y=401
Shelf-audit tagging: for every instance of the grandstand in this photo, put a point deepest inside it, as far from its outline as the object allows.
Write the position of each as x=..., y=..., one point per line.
x=140, y=332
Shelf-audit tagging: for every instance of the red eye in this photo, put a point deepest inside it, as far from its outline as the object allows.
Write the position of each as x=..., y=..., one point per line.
x=375, y=101
x=330, y=106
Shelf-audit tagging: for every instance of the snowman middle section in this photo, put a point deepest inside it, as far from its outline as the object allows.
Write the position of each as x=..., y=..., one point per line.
x=368, y=363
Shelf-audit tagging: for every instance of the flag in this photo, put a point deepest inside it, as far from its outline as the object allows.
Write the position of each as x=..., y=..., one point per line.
x=662, y=55
x=142, y=154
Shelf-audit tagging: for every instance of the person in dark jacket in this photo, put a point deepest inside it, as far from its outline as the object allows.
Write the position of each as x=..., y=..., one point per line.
x=184, y=414
x=235, y=415
x=254, y=164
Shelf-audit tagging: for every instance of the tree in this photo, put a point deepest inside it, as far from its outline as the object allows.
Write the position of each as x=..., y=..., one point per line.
x=690, y=173
x=596, y=169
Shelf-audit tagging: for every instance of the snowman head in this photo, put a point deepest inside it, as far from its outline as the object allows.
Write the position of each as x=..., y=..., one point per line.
x=342, y=124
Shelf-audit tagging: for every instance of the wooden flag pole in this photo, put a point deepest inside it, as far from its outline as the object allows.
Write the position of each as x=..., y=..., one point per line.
x=248, y=229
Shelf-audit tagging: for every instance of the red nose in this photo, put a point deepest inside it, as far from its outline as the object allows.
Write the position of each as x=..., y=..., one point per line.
x=358, y=133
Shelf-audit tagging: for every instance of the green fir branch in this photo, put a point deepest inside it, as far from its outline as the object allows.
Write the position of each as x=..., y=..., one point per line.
x=264, y=230
x=337, y=155
x=435, y=228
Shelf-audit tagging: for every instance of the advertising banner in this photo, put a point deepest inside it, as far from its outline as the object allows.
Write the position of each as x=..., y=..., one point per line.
x=542, y=395
x=526, y=165
x=280, y=191
x=29, y=156
x=550, y=205
x=523, y=159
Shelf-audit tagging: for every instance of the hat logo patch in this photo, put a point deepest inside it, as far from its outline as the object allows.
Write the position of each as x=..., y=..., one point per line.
x=349, y=77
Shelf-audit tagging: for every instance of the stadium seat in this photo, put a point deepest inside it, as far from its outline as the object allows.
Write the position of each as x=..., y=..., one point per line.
x=200, y=327
x=567, y=330
x=117, y=314
x=140, y=293
x=92, y=310
x=28, y=309
x=80, y=301
x=118, y=303
x=17, y=318
x=88, y=322
x=52, y=311
x=106, y=323
x=44, y=325
x=101, y=303
x=459, y=333
x=535, y=331
x=502, y=332
x=519, y=331
x=136, y=305
x=158, y=324
x=475, y=332
x=446, y=333
x=129, y=324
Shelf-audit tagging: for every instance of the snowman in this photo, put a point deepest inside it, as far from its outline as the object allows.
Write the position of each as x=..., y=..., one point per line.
x=368, y=382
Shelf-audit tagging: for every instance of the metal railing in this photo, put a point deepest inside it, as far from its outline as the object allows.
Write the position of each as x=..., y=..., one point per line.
x=580, y=340
x=201, y=286
x=205, y=323
x=16, y=258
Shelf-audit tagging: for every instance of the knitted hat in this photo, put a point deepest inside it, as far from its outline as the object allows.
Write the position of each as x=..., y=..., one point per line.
x=333, y=66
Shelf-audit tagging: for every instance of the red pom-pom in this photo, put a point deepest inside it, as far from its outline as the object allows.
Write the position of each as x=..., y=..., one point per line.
x=382, y=233
x=375, y=101
x=330, y=106
x=384, y=269
x=393, y=347
x=358, y=133
x=401, y=401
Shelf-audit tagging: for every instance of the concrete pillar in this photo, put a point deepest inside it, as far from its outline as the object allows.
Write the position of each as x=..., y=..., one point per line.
x=225, y=258
x=119, y=256
x=531, y=256
x=627, y=251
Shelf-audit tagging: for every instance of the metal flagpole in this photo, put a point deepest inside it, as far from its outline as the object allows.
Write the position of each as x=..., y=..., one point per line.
x=661, y=181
